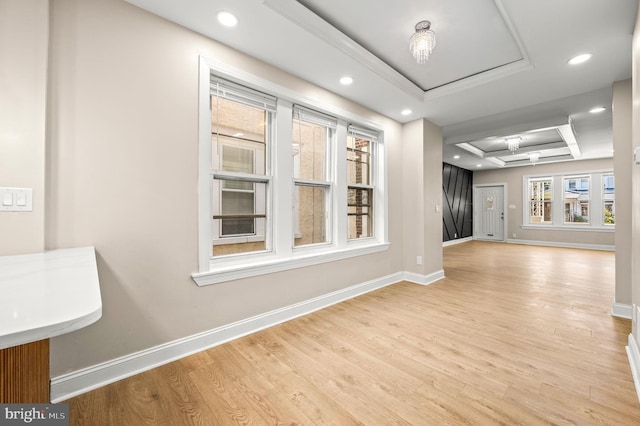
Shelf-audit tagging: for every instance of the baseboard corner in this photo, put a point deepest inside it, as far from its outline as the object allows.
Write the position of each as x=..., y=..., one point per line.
x=621, y=310
x=424, y=279
x=633, y=353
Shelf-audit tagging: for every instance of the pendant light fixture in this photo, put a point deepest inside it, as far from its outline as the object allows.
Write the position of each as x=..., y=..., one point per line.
x=422, y=42
x=513, y=143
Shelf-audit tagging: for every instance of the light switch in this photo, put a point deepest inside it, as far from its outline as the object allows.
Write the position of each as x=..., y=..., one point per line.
x=21, y=199
x=7, y=198
x=16, y=199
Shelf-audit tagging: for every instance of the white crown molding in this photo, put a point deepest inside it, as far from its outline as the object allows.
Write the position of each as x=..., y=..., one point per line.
x=481, y=78
x=309, y=21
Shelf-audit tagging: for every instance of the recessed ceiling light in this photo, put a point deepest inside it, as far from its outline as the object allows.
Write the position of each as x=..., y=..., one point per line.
x=406, y=111
x=597, y=110
x=227, y=19
x=456, y=157
x=346, y=80
x=580, y=59
x=479, y=165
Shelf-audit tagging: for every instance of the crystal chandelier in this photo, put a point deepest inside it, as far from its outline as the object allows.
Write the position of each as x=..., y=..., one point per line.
x=513, y=143
x=422, y=42
x=534, y=157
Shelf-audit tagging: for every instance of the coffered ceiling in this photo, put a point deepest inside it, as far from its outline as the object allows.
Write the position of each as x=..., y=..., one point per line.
x=499, y=68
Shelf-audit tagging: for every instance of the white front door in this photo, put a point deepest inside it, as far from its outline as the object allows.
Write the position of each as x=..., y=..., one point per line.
x=489, y=213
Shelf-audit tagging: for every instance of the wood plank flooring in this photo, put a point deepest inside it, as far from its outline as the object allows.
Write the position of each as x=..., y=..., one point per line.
x=514, y=335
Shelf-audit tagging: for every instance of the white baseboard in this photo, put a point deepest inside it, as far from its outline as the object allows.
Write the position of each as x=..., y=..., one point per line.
x=621, y=310
x=603, y=247
x=69, y=385
x=633, y=352
x=424, y=279
x=457, y=241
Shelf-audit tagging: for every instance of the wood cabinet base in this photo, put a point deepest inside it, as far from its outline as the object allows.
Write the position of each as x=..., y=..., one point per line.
x=24, y=373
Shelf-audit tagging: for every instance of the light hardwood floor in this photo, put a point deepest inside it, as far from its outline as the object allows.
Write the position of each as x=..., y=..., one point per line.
x=514, y=335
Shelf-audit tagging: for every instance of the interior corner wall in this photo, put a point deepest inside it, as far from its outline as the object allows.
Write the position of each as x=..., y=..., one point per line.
x=457, y=202
x=622, y=167
x=123, y=177
x=24, y=39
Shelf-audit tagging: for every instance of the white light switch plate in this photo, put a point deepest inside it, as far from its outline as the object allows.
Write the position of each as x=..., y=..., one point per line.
x=16, y=199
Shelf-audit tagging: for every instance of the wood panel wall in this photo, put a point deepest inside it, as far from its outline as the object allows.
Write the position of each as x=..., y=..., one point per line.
x=457, y=202
x=24, y=374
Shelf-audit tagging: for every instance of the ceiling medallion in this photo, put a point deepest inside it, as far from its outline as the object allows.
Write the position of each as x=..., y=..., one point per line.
x=422, y=42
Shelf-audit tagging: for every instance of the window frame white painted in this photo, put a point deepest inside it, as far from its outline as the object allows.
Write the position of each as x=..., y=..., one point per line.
x=596, y=203
x=283, y=256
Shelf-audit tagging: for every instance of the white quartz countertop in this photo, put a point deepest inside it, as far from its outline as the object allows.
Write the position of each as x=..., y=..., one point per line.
x=47, y=294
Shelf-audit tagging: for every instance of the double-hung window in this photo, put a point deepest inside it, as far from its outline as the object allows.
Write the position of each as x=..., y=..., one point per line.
x=283, y=182
x=240, y=177
x=360, y=181
x=576, y=199
x=569, y=201
x=313, y=134
x=609, y=199
x=540, y=200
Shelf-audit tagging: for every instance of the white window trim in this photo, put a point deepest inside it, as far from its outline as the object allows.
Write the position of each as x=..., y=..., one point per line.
x=596, y=204
x=283, y=256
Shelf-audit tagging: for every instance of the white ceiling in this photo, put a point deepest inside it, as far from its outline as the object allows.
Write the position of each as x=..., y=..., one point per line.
x=499, y=67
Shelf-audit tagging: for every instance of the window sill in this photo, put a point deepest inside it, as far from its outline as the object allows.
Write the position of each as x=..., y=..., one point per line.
x=219, y=274
x=579, y=228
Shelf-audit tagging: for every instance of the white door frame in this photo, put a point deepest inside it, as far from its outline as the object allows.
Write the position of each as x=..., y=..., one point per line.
x=504, y=206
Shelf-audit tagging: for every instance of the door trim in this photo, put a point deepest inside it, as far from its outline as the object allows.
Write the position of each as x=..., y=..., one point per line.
x=504, y=207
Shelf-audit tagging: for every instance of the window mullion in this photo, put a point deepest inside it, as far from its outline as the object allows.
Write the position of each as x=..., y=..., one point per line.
x=340, y=208
x=283, y=183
